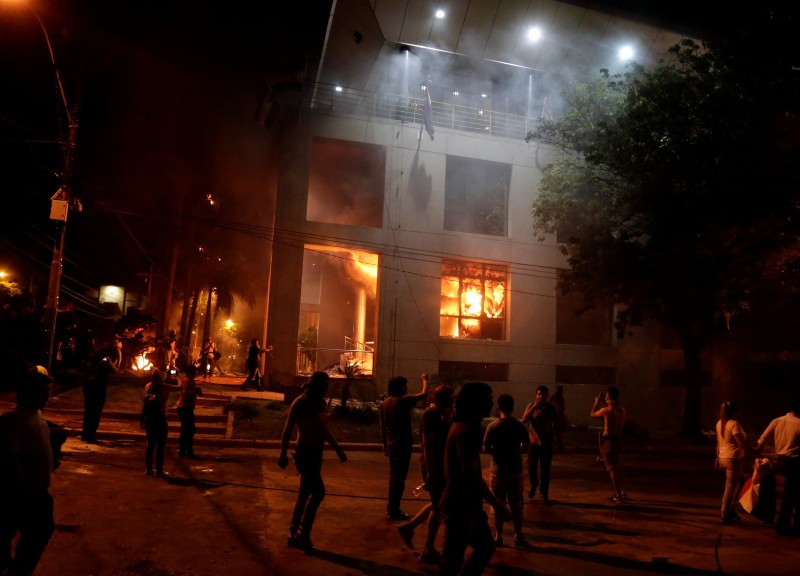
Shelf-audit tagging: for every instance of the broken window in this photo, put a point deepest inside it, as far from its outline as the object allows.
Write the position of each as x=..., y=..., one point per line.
x=473, y=301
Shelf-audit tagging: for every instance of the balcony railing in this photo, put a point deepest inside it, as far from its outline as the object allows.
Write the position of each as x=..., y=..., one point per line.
x=411, y=110
x=335, y=361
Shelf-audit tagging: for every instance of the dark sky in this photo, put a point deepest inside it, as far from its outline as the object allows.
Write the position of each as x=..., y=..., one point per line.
x=166, y=96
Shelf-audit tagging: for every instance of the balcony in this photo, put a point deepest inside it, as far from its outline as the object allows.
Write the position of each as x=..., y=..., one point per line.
x=410, y=110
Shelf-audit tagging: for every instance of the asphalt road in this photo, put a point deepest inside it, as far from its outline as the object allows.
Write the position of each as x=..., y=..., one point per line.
x=227, y=513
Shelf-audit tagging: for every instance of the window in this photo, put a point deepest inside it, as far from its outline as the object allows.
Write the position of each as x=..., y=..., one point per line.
x=338, y=310
x=476, y=196
x=346, y=183
x=473, y=301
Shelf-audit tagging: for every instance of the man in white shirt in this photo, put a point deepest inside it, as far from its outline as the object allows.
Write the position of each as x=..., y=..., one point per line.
x=785, y=435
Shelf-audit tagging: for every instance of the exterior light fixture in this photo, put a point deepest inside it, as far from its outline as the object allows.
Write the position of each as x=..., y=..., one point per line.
x=338, y=88
x=484, y=95
x=534, y=34
x=455, y=92
x=625, y=53
x=440, y=13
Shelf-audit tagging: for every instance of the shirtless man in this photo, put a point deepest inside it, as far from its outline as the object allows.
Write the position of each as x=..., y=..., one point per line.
x=613, y=415
x=307, y=412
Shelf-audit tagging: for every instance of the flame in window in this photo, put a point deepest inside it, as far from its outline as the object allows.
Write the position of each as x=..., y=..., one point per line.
x=471, y=300
x=470, y=295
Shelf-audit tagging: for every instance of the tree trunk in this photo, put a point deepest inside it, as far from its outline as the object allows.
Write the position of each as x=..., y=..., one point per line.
x=191, y=320
x=184, y=333
x=207, y=322
x=694, y=378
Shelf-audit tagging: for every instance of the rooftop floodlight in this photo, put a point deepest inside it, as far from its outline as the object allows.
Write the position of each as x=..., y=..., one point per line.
x=534, y=34
x=625, y=53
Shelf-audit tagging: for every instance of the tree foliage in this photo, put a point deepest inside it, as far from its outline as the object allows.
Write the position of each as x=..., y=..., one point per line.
x=677, y=191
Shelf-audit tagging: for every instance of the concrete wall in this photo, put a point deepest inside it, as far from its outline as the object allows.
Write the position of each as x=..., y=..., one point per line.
x=412, y=243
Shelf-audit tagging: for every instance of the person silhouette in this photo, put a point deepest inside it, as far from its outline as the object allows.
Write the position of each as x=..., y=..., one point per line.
x=254, y=353
x=465, y=521
x=26, y=464
x=307, y=414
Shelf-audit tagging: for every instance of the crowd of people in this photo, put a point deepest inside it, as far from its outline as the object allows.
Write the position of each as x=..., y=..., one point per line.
x=451, y=436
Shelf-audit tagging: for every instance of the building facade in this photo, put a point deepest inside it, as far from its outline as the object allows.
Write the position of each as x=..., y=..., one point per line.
x=404, y=237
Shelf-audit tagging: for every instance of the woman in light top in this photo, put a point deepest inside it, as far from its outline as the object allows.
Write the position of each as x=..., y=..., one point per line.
x=730, y=452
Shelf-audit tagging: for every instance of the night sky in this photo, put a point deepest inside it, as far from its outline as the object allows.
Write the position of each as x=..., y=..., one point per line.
x=167, y=95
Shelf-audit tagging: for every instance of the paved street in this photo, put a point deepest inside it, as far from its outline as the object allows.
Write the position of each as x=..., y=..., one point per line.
x=227, y=513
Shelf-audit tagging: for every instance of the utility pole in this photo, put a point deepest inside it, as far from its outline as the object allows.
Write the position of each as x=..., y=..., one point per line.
x=61, y=203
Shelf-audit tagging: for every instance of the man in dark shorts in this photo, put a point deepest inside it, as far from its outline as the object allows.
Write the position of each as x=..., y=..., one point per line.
x=397, y=438
x=613, y=415
x=307, y=413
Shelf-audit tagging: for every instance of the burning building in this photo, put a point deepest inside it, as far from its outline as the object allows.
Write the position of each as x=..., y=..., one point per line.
x=404, y=238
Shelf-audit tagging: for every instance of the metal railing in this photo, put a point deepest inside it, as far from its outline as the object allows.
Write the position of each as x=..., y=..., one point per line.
x=335, y=361
x=408, y=109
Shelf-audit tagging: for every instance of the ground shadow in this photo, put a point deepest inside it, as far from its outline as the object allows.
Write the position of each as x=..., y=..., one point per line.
x=364, y=566
x=656, y=566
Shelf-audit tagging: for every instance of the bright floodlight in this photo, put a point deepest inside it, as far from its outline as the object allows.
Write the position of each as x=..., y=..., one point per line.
x=625, y=53
x=440, y=13
x=534, y=34
x=338, y=88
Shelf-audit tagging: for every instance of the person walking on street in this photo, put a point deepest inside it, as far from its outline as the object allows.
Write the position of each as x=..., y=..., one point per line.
x=154, y=421
x=542, y=420
x=613, y=415
x=396, y=437
x=784, y=433
x=433, y=427
x=185, y=407
x=95, y=387
x=505, y=438
x=26, y=464
x=465, y=521
x=730, y=452
x=254, y=353
x=307, y=414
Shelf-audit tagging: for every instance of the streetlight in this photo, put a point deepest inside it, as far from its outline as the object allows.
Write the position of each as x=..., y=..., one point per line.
x=60, y=202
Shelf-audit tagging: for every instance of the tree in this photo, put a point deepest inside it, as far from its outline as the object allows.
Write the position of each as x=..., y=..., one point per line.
x=678, y=188
x=20, y=327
